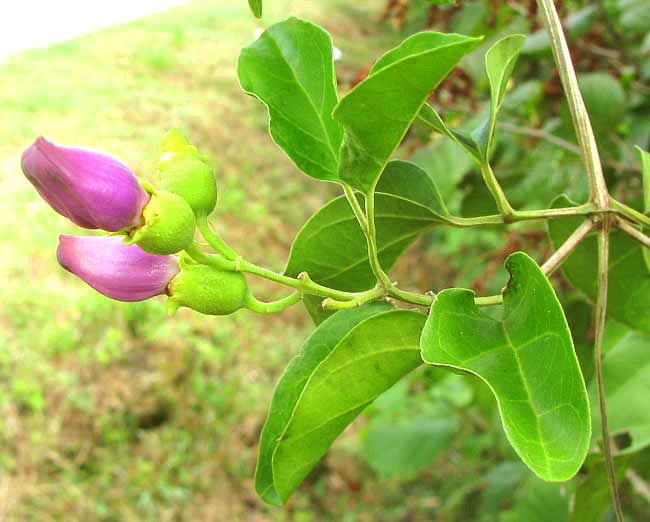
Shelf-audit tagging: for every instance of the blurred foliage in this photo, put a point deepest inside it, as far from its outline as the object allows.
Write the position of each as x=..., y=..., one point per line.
x=114, y=412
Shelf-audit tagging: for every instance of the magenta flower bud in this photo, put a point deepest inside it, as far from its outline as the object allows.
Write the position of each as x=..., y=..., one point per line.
x=123, y=272
x=89, y=187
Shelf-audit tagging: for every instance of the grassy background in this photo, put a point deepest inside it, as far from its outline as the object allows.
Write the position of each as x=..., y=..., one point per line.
x=112, y=411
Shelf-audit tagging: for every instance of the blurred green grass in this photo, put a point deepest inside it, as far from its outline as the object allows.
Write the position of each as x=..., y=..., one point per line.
x=113, y=411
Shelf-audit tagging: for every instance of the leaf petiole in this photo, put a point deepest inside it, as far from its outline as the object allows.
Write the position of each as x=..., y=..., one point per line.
x=213, y=238
x=274, y=306
x=497, y=192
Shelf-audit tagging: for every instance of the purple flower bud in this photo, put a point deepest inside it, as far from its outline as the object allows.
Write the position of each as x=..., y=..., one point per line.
x=123, y=272
x=89, y=187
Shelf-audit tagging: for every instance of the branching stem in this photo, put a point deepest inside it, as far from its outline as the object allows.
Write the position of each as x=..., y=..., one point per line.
x=628, y=212
x=371, y=236
x=558, y=257
x=633, y=232
x=302, y=283
x=356, y=208
x=597, y=188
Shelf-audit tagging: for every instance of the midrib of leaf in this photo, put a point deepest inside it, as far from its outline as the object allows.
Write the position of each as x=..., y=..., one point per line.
x=322, y=383
x=377, y=216
x=434, y=218
x=524, y=382
x=382, y=163
x=384, y=247
x=409, y=121
x=311, y=102
x=526, y=386
x=341, y=270
x=298, y=469
x=357, y=359
x=463, y=362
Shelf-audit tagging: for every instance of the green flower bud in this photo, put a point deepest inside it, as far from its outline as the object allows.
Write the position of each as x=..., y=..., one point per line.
x=173, y=141
x=188, y=174
x=207, y=290
x=169, y=224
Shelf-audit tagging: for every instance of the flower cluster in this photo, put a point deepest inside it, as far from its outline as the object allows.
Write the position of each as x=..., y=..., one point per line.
x=148, y=225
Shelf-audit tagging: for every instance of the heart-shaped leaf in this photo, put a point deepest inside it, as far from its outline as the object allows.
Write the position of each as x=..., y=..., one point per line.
x=628, y=298
x=528, y=361
x=377, y=113
x=290, y=386
x=290, y=68
x=371, y=358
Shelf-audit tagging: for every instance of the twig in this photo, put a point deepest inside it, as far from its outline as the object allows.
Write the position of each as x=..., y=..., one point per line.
x=633, y=232
x=597, y=188
x=601, y=313
x=540, y=134
x=562, y=143
x=640, y=486
x=558, y=257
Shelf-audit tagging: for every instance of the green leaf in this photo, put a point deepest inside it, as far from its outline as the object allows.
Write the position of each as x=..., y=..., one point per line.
x=332, y=248
x=500, y=61
x=446, y=163
x=634, y=17
x=256, y=7
x=314, y=306
x=377, y=113
x=290, y=69
x=628, y=298
x=370, y=359
x=604, y=99
x=645, y=169
x=431, y=118
x=538, y=501
x=403, y=448
x=527, y=359
x=292, y=383
x=626, y=367
x=498, y=486
x=593, y=497
x=408, y=181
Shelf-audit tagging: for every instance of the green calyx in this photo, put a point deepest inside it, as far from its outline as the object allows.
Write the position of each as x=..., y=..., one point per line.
x=174, y=140
x=186, y=173
x=169, y=224
x=207, y=290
